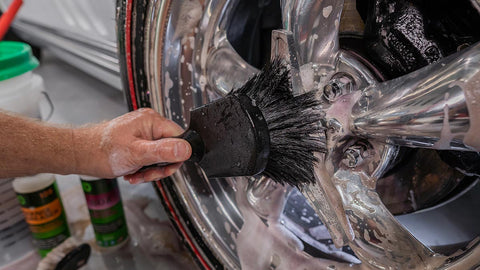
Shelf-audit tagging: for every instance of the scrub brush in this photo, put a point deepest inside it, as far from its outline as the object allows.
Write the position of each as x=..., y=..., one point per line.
x=260, y=127
x=69, y=255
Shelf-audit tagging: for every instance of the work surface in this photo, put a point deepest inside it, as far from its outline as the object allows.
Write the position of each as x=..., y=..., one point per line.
x=79, y=99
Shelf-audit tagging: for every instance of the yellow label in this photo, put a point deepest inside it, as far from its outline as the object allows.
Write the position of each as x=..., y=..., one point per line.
x=43, y=214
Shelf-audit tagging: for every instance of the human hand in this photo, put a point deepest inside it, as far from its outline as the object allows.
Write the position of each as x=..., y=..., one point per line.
x=122, y=146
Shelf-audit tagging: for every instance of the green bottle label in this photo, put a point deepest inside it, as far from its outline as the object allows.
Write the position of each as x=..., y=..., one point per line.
x=43, y=211
x=106, y=211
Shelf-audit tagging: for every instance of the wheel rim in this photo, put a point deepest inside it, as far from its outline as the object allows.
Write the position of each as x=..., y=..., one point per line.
x=186, y=86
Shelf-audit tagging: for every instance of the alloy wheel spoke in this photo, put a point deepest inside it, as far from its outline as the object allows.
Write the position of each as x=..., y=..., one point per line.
x=434, y=107
x=217, y=64
x=379, y=238
x=267, y=197
x=327, y=204
x=226, y=69
x=315, y=27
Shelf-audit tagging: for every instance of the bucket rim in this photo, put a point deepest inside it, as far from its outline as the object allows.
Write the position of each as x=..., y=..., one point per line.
x=16, y=58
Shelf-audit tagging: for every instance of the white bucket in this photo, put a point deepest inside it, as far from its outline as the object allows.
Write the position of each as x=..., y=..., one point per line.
x=23, y=94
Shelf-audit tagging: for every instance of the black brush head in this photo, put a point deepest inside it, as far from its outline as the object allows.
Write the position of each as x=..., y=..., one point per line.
x=260, y=127
x=293, y=124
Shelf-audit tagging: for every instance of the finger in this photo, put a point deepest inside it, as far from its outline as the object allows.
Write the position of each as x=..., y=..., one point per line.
x=165, y=128
x=158, y=125
x=158, y=173
x=164, y=150
x=135, y=178
x=152, y=174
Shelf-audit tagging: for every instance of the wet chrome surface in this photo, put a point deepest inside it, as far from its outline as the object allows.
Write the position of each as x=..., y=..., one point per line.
x=370, y=229
x=192, y=62
x=414, y=110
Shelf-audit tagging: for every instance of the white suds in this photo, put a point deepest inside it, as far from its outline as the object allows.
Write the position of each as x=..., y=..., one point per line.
x=118, y=159
x=446, y=134
x=168, y=81
x=307, y=74
x=269, y=244
x=203, y=82
x=188, y=18
x=326, y=11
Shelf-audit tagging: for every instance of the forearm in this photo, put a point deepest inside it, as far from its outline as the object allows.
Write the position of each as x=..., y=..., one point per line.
x=29, y=147
x=114, y=148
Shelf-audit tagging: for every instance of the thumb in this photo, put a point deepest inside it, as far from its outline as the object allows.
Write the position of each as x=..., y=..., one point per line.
x=164, y=150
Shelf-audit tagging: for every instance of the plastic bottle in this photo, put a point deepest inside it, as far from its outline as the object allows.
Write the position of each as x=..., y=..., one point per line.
x=104, y=204
x=43, y=210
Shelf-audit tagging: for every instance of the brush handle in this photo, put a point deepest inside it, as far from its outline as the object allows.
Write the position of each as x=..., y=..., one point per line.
x=198, y=149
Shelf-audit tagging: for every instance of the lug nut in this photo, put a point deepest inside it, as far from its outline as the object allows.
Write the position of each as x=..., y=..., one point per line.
x=353, y=156
x=331, y=91
x=334, y=125
x=339, y=85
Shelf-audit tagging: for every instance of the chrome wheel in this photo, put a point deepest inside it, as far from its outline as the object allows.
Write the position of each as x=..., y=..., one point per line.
x=183, y=56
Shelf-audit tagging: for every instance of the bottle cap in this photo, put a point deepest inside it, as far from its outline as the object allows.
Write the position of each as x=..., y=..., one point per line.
x=89, y=178
x=34, y=183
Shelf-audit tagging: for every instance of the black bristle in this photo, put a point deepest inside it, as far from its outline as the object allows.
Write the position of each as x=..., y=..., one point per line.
x=293, y=123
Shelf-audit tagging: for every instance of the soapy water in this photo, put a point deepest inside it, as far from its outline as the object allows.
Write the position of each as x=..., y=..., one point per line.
x=190, y=14
x=118, y=163
x=310, y=229
x=326, y=11
x=446, y=135
x=471, y=90
x=307, y=75
x=269, y=244
x=168, y=88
